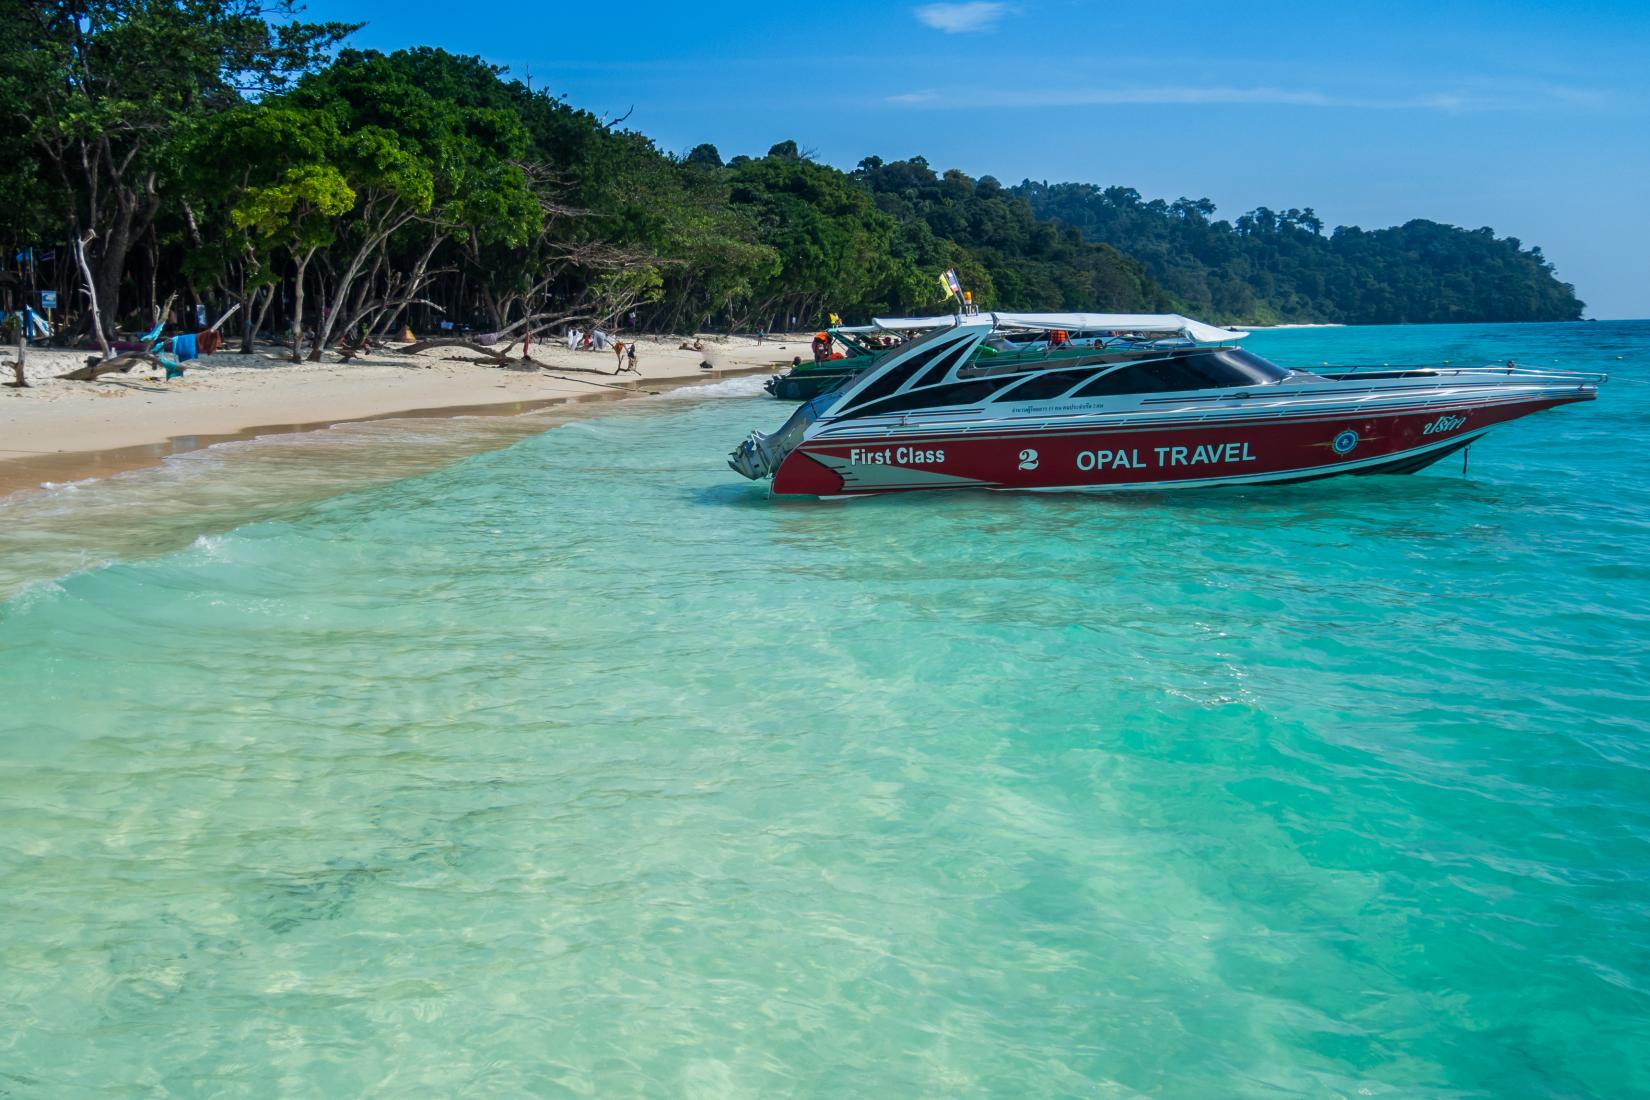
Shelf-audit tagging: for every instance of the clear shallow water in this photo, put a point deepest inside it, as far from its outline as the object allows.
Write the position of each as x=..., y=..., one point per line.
x=581, y=768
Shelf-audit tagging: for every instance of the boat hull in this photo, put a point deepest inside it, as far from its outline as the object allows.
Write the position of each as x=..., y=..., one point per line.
x=801, y=385
x=1195, y=452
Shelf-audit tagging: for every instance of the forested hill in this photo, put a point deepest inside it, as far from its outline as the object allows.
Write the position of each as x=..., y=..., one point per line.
x=1269, y=266
x=153, y=152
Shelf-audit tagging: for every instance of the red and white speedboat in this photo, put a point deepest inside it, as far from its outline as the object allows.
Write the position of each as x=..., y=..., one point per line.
x=1168, y=403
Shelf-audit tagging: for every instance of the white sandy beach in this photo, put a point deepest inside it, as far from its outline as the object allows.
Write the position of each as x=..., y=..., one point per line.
x=228, y=394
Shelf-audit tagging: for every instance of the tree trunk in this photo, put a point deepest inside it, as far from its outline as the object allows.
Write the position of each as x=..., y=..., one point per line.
x=255, y=325
x=415, y=282
x=91, y=290
x=135, y=213
x=153, y=256
x=298, y=308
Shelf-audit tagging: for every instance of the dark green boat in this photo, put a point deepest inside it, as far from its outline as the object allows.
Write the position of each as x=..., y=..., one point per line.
x=805, y=380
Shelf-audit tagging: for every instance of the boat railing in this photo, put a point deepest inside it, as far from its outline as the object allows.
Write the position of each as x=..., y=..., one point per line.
x=1400, y=370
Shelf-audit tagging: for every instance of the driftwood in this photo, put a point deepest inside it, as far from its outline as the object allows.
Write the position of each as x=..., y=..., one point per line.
x=80, y=244
x=120, y=364
x=22, y=382
x=165, y=311
x=216, y=325
x=496, y=357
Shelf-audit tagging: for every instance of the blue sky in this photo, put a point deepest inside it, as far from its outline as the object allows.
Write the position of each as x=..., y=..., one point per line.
x=1533, y=118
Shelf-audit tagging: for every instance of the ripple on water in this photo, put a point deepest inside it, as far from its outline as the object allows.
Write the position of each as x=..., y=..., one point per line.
x=386, y=760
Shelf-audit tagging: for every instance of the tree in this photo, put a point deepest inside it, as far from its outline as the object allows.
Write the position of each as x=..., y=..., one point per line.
x=704, y=156
x=289, y=189
x=99, y=87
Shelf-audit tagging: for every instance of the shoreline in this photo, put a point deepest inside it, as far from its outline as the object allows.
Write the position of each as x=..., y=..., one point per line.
x=65, y=414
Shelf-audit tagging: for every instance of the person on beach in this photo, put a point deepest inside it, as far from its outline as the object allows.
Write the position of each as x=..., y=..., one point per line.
x=761, y=337
x=618, y=356
x=630, y=353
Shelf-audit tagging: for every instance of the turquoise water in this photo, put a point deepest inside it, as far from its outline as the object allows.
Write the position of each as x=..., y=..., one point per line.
x=580, y=768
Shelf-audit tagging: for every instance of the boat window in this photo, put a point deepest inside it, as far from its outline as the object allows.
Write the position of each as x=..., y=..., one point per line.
x=1041, y=387
x=1260, y=371
x=943, y=366
x=1199, y=370
x=957, y=393
x=896, y=377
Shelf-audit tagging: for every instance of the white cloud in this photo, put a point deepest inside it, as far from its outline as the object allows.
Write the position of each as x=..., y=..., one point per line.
x=980, y=15
x=1185, y=95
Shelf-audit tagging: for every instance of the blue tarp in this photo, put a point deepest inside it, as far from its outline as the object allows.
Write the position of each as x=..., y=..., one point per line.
x=35, y=327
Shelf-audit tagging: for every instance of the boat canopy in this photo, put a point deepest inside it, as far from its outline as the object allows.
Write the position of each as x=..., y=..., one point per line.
x=1165, y=323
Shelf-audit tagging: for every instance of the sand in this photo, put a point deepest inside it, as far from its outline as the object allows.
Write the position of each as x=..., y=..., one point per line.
x=57, y=430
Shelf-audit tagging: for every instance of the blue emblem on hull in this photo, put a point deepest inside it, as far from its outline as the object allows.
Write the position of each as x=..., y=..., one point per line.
x=1346, y=442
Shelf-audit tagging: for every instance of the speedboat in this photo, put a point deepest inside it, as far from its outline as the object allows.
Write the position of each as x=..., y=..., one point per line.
x=1170, y=403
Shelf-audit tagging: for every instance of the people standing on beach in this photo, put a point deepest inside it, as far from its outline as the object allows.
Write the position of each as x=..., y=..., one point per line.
x=618, y=356
x=630, y=353
x=761, y=336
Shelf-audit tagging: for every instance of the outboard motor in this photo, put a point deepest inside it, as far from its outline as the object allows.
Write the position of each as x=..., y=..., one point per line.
x=760, y=455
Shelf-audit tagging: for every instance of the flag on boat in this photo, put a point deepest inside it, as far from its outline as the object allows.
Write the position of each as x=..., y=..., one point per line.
x=950, y=284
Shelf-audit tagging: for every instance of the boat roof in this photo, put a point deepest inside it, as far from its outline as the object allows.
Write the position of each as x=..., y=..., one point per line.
x=1119, y=322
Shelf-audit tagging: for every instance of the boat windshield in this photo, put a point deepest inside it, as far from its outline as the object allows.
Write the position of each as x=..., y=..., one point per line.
x=1210, y=369
x=1201, y=369
x=1194, y=369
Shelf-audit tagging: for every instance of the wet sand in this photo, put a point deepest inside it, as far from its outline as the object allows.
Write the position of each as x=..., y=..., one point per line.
x=56, y=432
